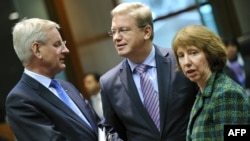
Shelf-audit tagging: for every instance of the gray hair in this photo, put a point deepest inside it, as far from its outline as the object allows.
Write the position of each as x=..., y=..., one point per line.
x=28, y=31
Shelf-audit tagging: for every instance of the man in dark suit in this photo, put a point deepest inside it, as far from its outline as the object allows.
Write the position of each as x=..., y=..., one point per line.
x=122, y=94
x=36, y=110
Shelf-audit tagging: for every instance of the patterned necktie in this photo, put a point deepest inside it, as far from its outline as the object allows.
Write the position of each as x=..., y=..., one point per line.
x=66, y=99
x=151, y=100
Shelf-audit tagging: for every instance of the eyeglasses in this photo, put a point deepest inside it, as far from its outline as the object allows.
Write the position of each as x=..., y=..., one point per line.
x=56, y=44
x=59, y=43
x=122, y=31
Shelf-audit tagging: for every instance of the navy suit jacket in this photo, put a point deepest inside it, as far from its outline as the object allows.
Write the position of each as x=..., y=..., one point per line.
x=124, y=110
x=36, y=114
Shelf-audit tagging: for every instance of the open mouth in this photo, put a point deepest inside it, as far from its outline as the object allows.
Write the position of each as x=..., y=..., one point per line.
x=190, y=71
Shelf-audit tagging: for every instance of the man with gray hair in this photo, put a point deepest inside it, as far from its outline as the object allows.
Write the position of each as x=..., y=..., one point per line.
x=39, y=107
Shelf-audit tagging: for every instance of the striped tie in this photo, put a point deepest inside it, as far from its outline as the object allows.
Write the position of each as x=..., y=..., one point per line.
x=151, y=100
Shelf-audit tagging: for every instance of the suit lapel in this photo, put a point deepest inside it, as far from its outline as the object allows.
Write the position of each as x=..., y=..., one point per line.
x=84, y=108
x=196, y=109
x=77, y=98
x=130, y=87
x=164, y=78
x=46, y=94
x=164, y=68
x=51, y=98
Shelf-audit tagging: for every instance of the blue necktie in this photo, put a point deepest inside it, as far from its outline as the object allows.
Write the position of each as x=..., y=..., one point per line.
x=66, y=99
x=151, y=100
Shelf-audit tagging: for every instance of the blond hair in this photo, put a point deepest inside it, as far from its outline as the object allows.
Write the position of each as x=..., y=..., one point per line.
x=139, y=11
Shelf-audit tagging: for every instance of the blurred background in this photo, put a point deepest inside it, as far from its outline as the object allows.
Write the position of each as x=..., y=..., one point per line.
x=85, y=24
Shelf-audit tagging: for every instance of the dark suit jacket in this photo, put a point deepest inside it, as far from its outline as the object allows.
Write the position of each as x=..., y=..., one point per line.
x=36, y=114
x=124, y=110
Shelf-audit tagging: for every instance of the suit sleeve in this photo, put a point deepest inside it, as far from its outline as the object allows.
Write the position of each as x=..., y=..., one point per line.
x=111, y=122
x=33, y=124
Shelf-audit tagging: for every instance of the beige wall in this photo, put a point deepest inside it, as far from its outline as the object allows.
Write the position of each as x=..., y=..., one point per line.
x=90, y=20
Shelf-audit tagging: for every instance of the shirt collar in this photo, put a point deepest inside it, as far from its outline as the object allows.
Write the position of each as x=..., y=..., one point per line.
x=38, y=77
x=150, y=60
x=239, y=60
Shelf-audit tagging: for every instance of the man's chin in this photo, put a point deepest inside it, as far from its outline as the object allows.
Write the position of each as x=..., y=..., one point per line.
x=122, y=53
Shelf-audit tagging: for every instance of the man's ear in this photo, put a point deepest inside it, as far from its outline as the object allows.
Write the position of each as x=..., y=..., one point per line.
x=35, y=47
x=147, y=31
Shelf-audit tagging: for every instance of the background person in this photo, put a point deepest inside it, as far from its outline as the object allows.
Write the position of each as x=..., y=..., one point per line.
x=35, y=109
x=202, y=57
x=92, y=86
x=125, y=103
x=236, y=66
